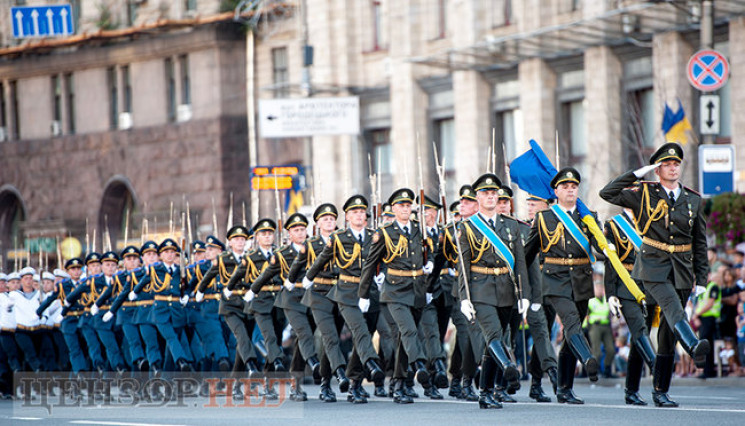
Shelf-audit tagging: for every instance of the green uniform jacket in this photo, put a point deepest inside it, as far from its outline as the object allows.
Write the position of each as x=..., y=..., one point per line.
x=222, y=269
x=627, y=254
x=315, y=297
x=278, y=270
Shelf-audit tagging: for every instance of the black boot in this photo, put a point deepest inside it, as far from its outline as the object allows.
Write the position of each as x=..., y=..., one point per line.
x=362, y=390
x=644, y=348
x=297, y=391
x=327, y=395
x=431, y=391
x=564, y=393
x=633, y=377
x=663, y=374
x=581, y=350
x=399, y=396
x=237, y=393
x=509, y=370
x=486, y=401
x=341, y=377
x=441, y=374
x=486, y=384
x=269, y=393
x=697, y=349
x=376, y=373
x=315, y=366
x=455, y=388
x=223, y=365
x=422, y=376
x=184, y=366
x=279, y=366
x=252, y=368
x=553, y=376
x=467, y=391
x=536, y=391
x=357, y=397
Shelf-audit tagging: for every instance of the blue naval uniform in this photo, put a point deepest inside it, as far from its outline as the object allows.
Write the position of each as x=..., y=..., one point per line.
x=105, y=330
x=82, y=293
x=208, y=324
x=69, y=325
x=124, y=318
x=139, y=311
x=167, y=313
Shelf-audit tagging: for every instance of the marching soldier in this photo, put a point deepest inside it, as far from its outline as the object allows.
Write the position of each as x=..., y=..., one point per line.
x=494, y=266
x=325, y=312
x=348, y=249
x=289, y=300
x=82, y=294
x=673, y=254
x=406, y=262
x=25, y=302
x=110, y=284
x=8, y=324
x=621, y=231
x=566, y=259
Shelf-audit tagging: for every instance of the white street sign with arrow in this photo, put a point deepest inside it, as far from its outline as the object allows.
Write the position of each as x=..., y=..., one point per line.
x=709, y=114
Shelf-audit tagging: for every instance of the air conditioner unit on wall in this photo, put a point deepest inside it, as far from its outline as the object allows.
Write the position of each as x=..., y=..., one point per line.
x=183, y=113
x=125, y=121
x=56, y=128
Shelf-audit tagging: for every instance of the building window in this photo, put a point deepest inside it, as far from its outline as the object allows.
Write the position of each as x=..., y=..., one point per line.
x=381, y=149
x=127, y=82
x=190, y=5
x=16, y=119
x=183, y=61
x=441, y=18
x=377, y=17
x=170, y=89
x=113, y=86
x=509, y=132
x=444, y=135
x=56, y=99
x=639, y=129
x=70, y=103
x=501, y=12
x=573, y=141
x=131, y=12
x=3, y=112
x=280, y=73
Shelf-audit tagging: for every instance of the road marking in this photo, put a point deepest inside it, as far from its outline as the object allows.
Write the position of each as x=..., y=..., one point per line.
x=25, y=418
x=92, y=422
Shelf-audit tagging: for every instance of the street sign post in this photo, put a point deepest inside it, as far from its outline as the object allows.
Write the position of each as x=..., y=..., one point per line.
x=42, y=21
x=289, y=118
x=716, y=169
x=708, y=70
x=709, y=114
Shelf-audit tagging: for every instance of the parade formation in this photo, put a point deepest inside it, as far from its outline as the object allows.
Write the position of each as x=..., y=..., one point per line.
x=394, y=275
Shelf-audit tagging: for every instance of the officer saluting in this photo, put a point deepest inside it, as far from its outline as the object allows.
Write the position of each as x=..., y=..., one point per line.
x=673, y=253
x=566, y=258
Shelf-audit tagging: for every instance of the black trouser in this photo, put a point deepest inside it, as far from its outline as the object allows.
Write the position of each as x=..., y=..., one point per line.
x=571, y=313
x=402, y=357
x=355, y=371
x=29, y=343
x=708, y=330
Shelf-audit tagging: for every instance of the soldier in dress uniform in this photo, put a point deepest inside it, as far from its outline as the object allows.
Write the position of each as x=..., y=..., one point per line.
x=231, y=307
x=82, y=295
x=494, y=266
x=325, y=312
x=347, y=249
x=163, y=281
x=673, y=257
x=8, y=327
x=565, y=247
x=407, y=262
x=620, y=299
x=25, y=302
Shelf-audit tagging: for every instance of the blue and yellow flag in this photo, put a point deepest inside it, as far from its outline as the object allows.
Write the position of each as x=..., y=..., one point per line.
x=675, y=124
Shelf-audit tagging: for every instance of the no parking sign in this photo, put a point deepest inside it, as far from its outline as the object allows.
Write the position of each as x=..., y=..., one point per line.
x=708, y=70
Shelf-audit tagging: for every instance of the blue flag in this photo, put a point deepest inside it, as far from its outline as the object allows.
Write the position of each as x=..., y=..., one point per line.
x=533, y=172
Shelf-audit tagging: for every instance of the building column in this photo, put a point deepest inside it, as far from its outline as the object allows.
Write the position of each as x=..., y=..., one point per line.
x=737, y=92
x=538, y=104
x=472, y=124
x=604, y=160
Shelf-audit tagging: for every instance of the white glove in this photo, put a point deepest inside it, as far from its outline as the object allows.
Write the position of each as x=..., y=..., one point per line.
x=467, y=309
x=451, y=272
x=288, y=285
x=522, y=306
x=429, y=298
x=640, y=172
x=428, y=267
x=132, y=296
x=184, y=300
x=67, y=304
x=379, y=280
x=199, y=296
x=249, y=296
x=535, y=307
x=364, y=305
x=741, y=284
x=615, y=306
x=94, y=309
x=699, y=290
x=307, y=283
x=227, y=292
x=107, y=316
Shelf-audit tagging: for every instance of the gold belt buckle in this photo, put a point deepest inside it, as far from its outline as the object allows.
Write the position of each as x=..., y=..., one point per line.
x=671, y=248
x=413, y=273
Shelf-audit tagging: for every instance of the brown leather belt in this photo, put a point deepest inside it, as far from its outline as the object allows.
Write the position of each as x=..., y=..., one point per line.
x=167, y=298
x=566, y=262
x=490, y=271
x=272, y=288
x=8, y=330
x=239, y=292
x=129, y=304
x=349, y=279
x=74, y=313
x=326, y=281
x=212, y=296
x=628, y=266
x=670, y=248
x=413, y=273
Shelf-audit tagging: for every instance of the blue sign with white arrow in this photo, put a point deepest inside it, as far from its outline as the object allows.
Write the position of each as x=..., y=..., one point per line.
x=42, y=21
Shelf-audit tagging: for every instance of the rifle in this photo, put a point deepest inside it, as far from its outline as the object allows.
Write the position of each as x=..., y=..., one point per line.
x=126, y=227
x=230, y=213
x=441, y=179
x=182, y=257
x=214, y=219
x=277, y=212
x=373, y=194
x=59, y=254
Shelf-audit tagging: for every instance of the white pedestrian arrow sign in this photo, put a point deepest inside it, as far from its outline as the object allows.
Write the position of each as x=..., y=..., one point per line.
x=709, y=114
x=19, y=23
x=50, y=21
x=35, y=19
x=63, y=13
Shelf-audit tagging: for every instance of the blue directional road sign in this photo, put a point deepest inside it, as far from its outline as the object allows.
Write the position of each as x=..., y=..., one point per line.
x=716, y=169
x=42, y=21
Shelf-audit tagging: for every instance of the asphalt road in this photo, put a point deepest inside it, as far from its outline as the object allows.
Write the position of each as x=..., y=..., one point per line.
x=717, y=402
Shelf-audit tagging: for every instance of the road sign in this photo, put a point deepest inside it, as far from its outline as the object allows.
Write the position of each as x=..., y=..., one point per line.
x=716, y=169
x=42, y=21
x=269, y=178
x=709, y=114
x=287, y=118
x=708, y=70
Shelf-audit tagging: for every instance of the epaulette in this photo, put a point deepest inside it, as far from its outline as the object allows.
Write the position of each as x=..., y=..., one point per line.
x=691, y=190
x=201, y=262
x=153, y=265
x=313, y=239
x=137, y=269
x=385, y=225
x=522, y=222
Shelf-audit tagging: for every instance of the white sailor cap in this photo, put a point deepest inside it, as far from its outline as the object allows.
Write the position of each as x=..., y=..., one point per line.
x=46, y=275
x=14, y=276
x=60, y=273
x=37, y=277
x=3, y=277
x=27, y=271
